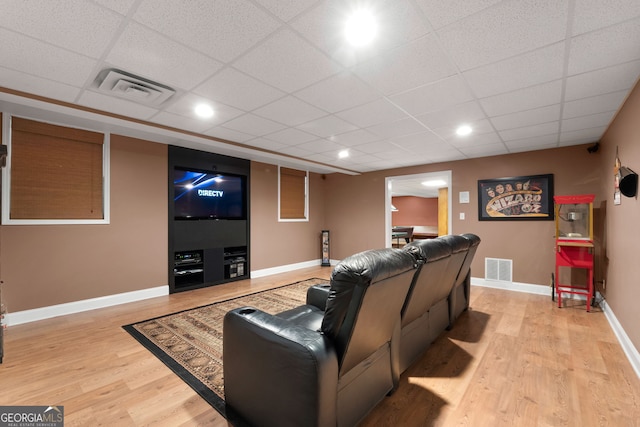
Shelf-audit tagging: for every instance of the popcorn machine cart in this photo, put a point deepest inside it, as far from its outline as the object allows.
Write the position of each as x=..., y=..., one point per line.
x=574, y=245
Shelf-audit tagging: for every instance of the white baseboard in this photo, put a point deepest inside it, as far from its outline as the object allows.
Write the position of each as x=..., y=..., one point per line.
x=512, y=286
x=627, y=346
x=286, y=268
x=42, y=313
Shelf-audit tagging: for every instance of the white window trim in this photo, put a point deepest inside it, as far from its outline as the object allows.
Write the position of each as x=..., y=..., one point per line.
x=6, y=181
x=306, y=199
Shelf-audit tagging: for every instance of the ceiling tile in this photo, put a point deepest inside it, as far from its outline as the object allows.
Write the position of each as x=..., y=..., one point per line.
x=286, y=9
x=53, y=63
x=233, y=87
x=484, y=150
x=582, y=136
x=535, y=143
x=267, y=144
x=614, y=45
x=422, y=139
x=453, y=116
x=398, y=128
x=254, y=125
x=594, y=14
x=433, y=97
x=599, y=82
x=327, y=126
x=414, y=64
x=228, y=134
x=212, y=27
x=321, y=146
x=338, y=92
x=180, y=122
x=594, y=120
x=523, y=99
x=509, y=28
x=440, y=13
x=120, y=6
x=478, y=127
x=71, y=24
x=376, y=147
x=33, y=84
x=594, y=104
x=115, y=105
x=372, y=113
x=474, y=139
x=398, y=23
x=143, y=52
x=287, y=62
x=530, y=131
x=539, y=66
x=290, y=111
x=291, y=136
x=186, y=104
x=356, y=137
x=527, y=118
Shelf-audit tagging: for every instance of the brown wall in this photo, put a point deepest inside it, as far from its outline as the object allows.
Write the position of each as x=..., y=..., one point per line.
x=43, y=265
x=529, y=243
x=414, y=211
x=622, y=225
x=275, y=243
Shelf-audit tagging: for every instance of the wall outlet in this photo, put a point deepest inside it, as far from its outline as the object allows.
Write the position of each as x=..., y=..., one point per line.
x=461, y=215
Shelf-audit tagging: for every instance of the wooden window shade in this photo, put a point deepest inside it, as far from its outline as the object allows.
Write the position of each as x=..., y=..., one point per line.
x=292, y=194
x=56, y=172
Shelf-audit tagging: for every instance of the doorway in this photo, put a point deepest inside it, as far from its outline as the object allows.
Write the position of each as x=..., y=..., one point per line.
x=412, y=185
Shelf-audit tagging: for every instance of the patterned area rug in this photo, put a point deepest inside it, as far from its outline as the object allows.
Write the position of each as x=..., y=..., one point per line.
x=190, y=342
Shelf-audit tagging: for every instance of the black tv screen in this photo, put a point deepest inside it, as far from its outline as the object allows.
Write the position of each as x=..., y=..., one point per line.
x=208, y=195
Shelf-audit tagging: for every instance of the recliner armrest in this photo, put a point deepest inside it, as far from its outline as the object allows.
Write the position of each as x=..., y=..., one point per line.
x=277, y=373
x=317, y=295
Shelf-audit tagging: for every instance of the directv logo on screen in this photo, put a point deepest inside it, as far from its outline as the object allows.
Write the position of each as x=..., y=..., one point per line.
x=208, y=195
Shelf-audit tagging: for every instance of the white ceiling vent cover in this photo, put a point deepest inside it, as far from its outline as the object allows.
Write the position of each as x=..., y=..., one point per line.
x=498, y=269
x=137, y=89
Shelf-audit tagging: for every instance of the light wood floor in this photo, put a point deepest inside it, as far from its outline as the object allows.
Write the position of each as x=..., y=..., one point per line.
x=513, y=360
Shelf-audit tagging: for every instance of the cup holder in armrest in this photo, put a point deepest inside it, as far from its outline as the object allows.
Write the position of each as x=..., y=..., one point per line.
x=246, y=311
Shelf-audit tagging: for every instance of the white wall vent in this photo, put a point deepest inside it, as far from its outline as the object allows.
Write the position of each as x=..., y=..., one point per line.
x=128, y=86
x=498, y=269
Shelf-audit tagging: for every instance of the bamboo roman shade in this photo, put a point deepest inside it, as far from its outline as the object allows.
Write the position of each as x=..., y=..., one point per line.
x=292, y=194
x=56, y=172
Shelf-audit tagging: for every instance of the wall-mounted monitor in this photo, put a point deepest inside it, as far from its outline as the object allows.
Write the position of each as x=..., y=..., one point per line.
x=202, y=194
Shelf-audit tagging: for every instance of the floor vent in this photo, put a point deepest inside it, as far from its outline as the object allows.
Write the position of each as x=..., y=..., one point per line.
x=498, y=269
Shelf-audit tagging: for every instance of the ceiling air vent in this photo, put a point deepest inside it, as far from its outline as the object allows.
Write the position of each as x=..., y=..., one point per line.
x=133, y=88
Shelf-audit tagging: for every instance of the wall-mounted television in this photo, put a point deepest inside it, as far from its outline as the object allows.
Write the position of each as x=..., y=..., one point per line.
x=202, y=194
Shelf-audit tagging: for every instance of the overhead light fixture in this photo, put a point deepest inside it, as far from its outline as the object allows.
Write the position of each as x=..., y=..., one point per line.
x=361, y=27
x=434, y=183
x=343, y=154
x=203, y=111
x=464, y=130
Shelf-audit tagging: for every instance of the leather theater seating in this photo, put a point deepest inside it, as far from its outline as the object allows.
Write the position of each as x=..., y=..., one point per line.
x=330, y=361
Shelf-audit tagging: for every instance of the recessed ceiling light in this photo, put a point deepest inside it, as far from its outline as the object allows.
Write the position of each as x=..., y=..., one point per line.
x=204, y=111
x=343, y=154
x=434, y=183
x=361, y=27
x=464, y=130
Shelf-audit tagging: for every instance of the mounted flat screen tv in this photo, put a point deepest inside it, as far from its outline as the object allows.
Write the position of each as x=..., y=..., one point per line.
x=208, y=195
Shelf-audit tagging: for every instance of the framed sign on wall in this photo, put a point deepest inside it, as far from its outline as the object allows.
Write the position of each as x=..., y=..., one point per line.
x=528, y=197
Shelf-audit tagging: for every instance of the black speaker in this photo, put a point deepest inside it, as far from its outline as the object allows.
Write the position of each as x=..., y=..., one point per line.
x=628, y=182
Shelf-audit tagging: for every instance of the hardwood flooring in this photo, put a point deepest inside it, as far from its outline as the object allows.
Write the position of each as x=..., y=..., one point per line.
x=514, y=359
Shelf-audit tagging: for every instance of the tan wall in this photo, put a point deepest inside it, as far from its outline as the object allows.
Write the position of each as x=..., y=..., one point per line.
x=622, y=222
x=43, y=265
x=529, y=243
x=415, y=211
x=275, y=243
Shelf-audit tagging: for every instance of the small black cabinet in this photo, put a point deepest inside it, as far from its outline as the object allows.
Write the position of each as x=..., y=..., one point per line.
x=203, y=267
x=235, y=262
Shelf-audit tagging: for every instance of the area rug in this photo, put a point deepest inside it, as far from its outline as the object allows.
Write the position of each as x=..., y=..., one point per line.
x=190, y=342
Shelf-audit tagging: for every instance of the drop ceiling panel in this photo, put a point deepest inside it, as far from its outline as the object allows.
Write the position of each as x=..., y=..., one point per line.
x=222, y=30
x=287, y=62
x=372, y=113
x=593, y=105
x=337, y=93
x=600, y=82
x=523, y=99
x=327, y=126
x=594, y=14
x=160, y=59
x=435, y=96
x=233, y=87
x=527, y=118
x=289, y=111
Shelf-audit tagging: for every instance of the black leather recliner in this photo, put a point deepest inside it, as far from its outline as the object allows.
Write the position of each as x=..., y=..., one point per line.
x=326, y=363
